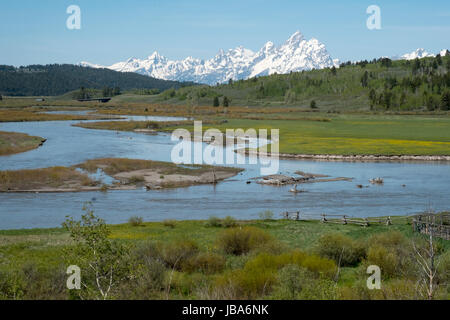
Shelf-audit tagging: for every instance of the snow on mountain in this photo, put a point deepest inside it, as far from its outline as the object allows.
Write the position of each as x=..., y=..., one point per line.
x=444, y=52
x=419, y=54
x=296, y=54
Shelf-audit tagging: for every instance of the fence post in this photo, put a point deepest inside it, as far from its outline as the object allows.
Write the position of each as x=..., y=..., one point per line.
x=388, y=221
x=297, y=215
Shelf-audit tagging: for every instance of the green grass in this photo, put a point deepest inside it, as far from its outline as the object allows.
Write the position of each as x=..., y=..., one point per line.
x=45, y=248
x=17, y=244
x=14, y=142
x=358, y=134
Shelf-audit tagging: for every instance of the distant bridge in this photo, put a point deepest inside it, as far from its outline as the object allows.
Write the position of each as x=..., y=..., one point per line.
x=104, y=100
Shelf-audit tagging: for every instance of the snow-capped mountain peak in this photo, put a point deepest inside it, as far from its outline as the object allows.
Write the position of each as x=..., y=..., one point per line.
x=418, y=54
x=295, y=39
x=295, y=54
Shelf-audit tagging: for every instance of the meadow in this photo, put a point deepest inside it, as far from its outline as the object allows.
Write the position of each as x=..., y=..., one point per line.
x=228, y=259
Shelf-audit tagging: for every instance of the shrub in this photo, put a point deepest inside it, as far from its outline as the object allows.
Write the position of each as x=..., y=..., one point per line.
x=261, y=272
x=319, y=289
x=385, y=259
x=266, y=215
x=392, y=253
x=239, y=241
x=169, y=223
x=135, y=221
x=291, y=279
x=341, y=249
x=229, y=222
x=388, y=239
x=205, y=262
x=213, y=222
x=175, y=254
x=136, y=180
x=186, y=284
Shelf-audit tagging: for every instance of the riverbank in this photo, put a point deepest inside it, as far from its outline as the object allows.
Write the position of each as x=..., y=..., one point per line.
x=15, y=142
x=124, y=174
x=335, y=157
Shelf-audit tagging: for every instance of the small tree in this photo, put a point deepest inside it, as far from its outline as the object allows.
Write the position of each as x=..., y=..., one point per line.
x=426, y=259
x=365, y=79
x=104, y=263
x=226, y=101
x=445, y=100
x=313, y=104
x=1, y=98
x=116, y=91
x=216, y=102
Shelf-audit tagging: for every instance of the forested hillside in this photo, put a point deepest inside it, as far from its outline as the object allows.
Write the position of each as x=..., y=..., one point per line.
x=57, y=79
x=381, y=84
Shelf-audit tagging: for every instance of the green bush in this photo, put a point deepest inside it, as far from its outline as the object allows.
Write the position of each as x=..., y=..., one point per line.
x=229, y=222
x=260, y=273
x=341, y=249
x=393, y=254
x=213, y=222
x=384, y=258
x=169, y=223
x=175, y=254
x=291, y=280
x=205, y=262
x=239, y=241
x=135, y=221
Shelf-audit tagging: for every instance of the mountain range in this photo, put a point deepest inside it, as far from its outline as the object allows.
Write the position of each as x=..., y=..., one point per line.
x=295, y=54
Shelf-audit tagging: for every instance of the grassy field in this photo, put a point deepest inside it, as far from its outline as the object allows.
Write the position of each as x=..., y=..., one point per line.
x=202, y=276
x=356, y=134
x=14, y=142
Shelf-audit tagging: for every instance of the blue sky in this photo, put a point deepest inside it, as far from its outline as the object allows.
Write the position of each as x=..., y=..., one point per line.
x=35, y=31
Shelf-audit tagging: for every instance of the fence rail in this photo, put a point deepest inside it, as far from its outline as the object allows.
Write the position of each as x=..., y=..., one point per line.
x=334, y=218
x=437, y=224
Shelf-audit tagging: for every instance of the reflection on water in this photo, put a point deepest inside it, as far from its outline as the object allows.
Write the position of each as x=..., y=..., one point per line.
x=425, y=184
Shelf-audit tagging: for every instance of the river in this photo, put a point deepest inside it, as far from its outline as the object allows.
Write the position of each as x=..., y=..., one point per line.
x=426, y=184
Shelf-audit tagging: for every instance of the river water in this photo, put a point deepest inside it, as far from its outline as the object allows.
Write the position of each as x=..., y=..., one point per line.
x=426, y=184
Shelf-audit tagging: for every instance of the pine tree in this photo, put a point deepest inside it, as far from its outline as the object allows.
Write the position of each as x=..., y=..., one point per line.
x=365, y=79
x=445, y=101
x=216, y=101
x=226, y=101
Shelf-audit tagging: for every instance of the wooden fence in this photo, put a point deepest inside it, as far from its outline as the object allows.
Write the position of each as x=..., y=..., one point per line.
x=437, y=224
x=334, y=218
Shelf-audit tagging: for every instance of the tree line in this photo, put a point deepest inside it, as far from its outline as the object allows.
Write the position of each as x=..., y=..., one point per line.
x=57, y=79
